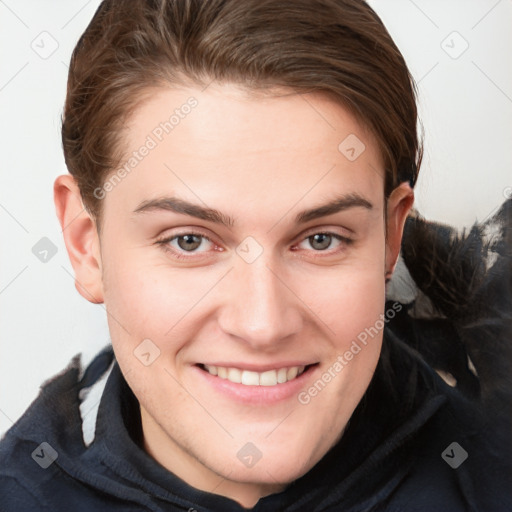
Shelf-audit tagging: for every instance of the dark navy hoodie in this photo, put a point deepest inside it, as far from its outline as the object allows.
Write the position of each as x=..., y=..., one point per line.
x=413, y=444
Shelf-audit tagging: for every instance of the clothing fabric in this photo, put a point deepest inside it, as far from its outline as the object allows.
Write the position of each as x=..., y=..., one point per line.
x=413, y=444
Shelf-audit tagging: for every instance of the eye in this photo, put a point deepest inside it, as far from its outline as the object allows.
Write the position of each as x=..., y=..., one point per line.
x=320, y=241
x=323, y=241
x=187, y=243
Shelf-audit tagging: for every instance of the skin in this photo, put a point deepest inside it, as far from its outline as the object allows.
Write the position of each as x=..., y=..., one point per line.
x=259, y=159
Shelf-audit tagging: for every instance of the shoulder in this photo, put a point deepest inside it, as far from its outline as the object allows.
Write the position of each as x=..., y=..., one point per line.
x=463, y=455
x=24, y=473
x=17, y=496
x=50, y=428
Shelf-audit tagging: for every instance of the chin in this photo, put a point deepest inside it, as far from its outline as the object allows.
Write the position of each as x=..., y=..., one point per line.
x=276, y=466
x=272, y=474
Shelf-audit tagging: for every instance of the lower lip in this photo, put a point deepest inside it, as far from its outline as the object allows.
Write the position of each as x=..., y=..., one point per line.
x=257, y=394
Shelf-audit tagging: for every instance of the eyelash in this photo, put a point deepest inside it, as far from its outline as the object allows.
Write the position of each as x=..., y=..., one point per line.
x=345, y=241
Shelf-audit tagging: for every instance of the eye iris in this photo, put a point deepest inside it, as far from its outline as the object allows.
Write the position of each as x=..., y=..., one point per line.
x=320, y=241
x=189, y=242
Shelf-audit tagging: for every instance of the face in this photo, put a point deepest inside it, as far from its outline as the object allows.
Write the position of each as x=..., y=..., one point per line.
x=242, y=257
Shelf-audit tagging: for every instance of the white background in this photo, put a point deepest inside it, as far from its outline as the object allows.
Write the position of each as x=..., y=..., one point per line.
x=466, y=110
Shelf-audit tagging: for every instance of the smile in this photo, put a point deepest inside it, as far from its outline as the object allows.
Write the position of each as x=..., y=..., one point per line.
x=251, y=378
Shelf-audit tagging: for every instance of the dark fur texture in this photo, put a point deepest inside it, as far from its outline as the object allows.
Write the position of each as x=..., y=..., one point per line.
x=462, y=313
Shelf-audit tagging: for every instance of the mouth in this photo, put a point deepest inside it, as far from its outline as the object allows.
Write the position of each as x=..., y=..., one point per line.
x=271, y=377
x=265, y=387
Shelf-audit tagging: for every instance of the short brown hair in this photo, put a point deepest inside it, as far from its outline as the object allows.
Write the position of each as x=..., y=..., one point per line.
x=338, y=47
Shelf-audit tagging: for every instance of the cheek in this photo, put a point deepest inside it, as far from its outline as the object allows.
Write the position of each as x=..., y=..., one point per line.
x=132, y=296
x=150, y=300
x=362, y=301
x=348, y=301
x=134, y=300
x=144, y=305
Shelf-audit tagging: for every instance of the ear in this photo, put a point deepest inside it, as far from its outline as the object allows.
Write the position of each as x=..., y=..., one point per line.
x=81, y=238
x=398, y=205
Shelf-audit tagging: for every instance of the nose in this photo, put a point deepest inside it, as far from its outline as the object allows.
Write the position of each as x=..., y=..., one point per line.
x=259, y=307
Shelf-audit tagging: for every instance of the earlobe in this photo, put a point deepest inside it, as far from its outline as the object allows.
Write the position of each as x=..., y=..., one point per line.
x=399, y=204
x=81, y=238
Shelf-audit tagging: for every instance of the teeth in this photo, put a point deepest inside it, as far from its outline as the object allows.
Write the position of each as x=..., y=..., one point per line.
x=282, y=375
x=268, y=378
x=234, y=375
x=292, y=373
x=212, y=369
x=248, y=378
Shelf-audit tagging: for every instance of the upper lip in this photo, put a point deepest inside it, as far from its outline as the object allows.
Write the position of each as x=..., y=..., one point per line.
x=258, y=367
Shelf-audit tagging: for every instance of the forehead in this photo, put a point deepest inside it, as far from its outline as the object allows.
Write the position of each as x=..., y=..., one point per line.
x=228, y=148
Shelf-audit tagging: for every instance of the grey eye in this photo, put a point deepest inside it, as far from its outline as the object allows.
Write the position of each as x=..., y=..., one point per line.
x=320, y=241
x=189, y=242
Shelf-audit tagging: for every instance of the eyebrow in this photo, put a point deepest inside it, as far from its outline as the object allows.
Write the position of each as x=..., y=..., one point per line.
x=177, y=205
x=339, y=204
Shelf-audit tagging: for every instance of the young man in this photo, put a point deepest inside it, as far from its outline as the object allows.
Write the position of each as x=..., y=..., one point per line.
x=246, y=170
